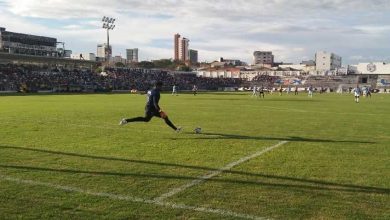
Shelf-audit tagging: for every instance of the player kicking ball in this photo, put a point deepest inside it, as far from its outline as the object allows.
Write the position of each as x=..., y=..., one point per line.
x=152, y=109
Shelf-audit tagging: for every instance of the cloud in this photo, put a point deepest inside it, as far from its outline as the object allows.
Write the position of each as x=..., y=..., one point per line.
x=293, y=30
x=374, y=29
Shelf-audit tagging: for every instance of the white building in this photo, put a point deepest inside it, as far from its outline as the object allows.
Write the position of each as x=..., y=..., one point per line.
x=219, y=73
x=83, y=56
x=250, y=74
x=132, y=55
x=379, y=68
x=103, y=51
x=327, y=61
x=302, y=67
x=233, y=72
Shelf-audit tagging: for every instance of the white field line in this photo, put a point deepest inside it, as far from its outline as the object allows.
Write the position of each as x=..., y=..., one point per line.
x=216, y=172
x=219, y=212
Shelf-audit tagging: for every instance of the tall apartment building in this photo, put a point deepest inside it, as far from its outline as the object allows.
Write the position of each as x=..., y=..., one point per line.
x=184, y=53
x=181, y=48
x=193, y=56
x=132, y=55
x=263, y=57
x=176, y=41
x=103, y=50
x=327, y=61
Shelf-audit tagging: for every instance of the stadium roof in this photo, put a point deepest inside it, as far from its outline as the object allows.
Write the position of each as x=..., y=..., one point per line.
x=27, y=59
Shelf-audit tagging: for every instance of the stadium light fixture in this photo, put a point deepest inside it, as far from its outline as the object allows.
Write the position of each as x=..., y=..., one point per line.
x=108, y=24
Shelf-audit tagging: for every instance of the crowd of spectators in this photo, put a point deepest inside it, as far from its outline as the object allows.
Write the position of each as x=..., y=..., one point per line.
x=30, y=78
x=267, y=80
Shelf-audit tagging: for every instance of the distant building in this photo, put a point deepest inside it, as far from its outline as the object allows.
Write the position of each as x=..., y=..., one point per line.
x=193, y=56
x=231, y=62
x=118, y=59
x=67, y=53
x=308, y=62
x=245, y=73
x=263, y=57
x=327, y=61
x=64, y=53
x=103, y=50
x=216, y=64
x=302, y=67
x=27, y=44
x=132, y=55
x=379, y=68
x=84, y=56
x=181, y=48
x=176, y=46
x=226, y=72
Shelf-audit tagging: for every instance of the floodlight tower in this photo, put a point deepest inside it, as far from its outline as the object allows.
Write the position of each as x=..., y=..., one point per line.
x=108, y=24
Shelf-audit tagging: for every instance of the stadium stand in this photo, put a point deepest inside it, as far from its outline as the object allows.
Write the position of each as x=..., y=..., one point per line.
x=34, y=78
x=27, y=78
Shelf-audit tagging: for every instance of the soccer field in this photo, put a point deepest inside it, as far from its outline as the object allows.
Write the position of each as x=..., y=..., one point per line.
x=282, y=157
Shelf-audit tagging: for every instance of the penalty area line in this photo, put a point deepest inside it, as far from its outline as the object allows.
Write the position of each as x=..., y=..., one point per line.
x=219, y=212
x=216, y=172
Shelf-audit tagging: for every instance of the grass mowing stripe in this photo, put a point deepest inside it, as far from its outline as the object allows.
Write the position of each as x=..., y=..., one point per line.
x=216, y=173
x=219, y=212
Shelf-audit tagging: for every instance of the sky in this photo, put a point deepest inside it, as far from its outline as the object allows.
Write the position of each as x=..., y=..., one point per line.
x=357, y=30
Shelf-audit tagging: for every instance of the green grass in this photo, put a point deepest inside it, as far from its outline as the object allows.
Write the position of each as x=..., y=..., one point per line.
x=336, y=164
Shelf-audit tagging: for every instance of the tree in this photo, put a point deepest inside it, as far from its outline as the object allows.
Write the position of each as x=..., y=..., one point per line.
x=184, y=68
x=163, y=63
x=119, y=64
x=98, y=69
x=146, y=65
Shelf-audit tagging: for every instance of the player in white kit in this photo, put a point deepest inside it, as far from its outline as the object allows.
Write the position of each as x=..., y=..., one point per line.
x=174, y=90
x=357, y=93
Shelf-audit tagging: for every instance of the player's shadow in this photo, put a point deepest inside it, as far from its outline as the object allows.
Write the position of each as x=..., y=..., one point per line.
x=210, y=136
x=266, y=179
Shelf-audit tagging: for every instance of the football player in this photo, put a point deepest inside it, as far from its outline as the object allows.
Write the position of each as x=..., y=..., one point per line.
x=152, y=109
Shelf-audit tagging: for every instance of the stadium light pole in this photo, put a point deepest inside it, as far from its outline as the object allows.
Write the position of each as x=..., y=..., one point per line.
x=108, y=24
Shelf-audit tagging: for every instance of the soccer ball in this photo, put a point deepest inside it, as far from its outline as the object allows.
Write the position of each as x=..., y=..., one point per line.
x=198, y=130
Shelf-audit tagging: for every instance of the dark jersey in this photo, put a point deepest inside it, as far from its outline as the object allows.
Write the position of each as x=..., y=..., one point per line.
x=153, y=99
x=261, y=90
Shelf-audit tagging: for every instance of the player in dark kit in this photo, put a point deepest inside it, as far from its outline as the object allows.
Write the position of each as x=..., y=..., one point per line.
x=152, y=109
x=261, y=92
